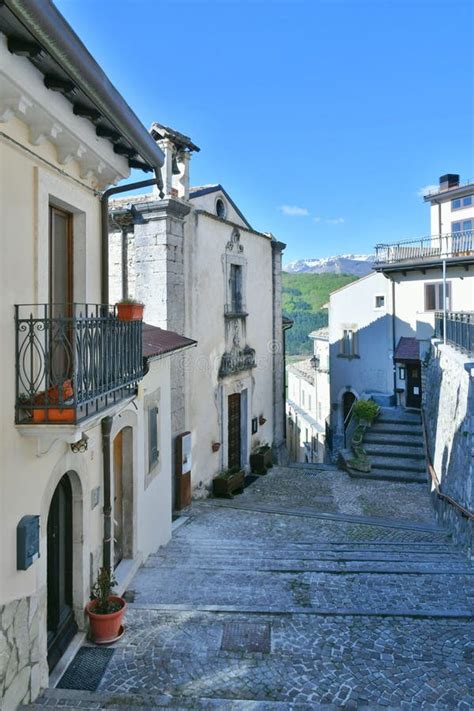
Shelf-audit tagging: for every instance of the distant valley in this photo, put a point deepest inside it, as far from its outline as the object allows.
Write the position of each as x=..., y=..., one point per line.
x=304, y=294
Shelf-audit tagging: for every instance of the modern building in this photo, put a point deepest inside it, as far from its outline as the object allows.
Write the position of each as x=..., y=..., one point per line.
x=308, y=402
x=199, y=267
x=85, y=417
x=381, y=325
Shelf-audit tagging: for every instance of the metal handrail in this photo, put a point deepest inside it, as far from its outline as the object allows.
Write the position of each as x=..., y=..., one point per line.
x=434, y=477
x=459, y=329
x=348, y=420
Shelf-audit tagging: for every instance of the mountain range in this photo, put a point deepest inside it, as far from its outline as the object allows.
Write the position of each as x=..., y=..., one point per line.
x=357, y=264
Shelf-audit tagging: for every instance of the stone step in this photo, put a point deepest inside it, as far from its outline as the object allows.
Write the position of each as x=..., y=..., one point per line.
x=93, y=700
x=378, y=474
x=394, y=419
x=404, y=465
x=394, y=450
x=372, y=436
x=397, y=428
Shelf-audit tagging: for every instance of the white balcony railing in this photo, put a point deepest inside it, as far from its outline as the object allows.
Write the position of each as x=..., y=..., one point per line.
x=435, y=247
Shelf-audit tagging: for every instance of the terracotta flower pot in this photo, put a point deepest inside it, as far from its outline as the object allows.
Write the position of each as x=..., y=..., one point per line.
x=54, y=414
x=130, y=312
x=106, y=628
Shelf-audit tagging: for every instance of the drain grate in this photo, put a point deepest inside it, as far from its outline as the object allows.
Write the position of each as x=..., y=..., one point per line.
x=246, y=637
x=86, y=669
x=249, y=479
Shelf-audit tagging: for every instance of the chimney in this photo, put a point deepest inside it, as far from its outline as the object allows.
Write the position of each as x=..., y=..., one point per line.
x=450, y=180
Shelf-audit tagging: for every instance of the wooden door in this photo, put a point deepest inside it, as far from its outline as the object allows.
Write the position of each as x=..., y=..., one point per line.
x=61, y=293
x=61, y=624
x=234, y=430
x=118, y=499
x=413, y=398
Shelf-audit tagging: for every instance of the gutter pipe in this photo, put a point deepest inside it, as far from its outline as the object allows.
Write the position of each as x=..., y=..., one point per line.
x=106, y=425
x=104, y=217
x=44, y=21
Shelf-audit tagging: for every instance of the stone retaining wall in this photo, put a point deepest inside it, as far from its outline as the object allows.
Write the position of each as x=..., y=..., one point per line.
x=448, y=406
x=23, y=669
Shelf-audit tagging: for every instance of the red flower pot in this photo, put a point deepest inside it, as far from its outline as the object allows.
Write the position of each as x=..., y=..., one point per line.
x=130, y=312
x=106, y=628
x=54, y=414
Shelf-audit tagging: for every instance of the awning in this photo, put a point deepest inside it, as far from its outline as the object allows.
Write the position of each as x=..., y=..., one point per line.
x=407, y=349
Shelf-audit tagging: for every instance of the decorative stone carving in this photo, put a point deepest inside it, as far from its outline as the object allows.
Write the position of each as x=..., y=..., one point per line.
x=233, y=245
x=236, y=360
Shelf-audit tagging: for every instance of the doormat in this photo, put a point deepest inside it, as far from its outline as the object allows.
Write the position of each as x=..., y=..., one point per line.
x=86, y=669
x=246, y=637
x=249, y=479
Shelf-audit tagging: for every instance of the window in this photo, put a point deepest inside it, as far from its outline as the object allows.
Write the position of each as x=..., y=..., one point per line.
x=348, y=343
x=379, y=301
x=236, y=288
x=461, y=226
x=220, y=209
x=434, y=296
x=153, y=453
x=459, y=203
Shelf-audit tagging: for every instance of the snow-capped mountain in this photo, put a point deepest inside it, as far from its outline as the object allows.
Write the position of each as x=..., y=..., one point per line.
x=358, y=264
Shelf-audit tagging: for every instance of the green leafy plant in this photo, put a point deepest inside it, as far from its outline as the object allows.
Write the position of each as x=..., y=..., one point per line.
x=228, y=473
x=101, y=592
x=366, y=410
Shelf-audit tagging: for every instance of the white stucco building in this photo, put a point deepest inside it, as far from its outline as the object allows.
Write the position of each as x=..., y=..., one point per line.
x=200, y=268
x=381, y=325
x=85, y=416
x=308, y=402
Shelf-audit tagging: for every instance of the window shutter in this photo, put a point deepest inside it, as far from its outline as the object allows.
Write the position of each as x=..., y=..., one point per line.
x=152, y=436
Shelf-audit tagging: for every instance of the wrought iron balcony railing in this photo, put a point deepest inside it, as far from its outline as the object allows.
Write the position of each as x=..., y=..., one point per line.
x=433, y=248
x=459, y=329
x=73, y=361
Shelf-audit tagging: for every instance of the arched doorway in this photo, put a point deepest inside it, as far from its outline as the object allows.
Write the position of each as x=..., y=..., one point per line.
x=348, y=399
x=123, y=495
x=61, y=624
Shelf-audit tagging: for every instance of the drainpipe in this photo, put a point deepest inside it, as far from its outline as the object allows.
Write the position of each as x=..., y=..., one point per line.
x=394, y=345
x=106, y=454
x=444, y=302
x=104, y=207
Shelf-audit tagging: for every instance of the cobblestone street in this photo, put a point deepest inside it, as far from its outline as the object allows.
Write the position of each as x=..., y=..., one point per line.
x=309, y=590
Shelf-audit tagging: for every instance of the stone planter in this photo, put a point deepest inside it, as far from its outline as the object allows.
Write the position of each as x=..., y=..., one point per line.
x=225, y=486
x=261, y=460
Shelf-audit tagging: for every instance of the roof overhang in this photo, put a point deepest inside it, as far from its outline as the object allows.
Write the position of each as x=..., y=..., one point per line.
x=422, y=265
x=451, y=194
x=38, y=31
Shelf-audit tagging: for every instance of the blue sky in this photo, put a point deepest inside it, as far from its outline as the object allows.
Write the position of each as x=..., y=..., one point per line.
x=322, y=118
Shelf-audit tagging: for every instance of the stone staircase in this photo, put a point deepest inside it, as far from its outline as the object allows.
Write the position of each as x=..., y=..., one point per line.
x=394, y=445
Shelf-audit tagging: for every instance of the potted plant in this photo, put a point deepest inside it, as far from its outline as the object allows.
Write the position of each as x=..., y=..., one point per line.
x=129, y=310
x=51, y=411
x=366, y=411
x=261, y=459
x=228, y=483
x=105, y=610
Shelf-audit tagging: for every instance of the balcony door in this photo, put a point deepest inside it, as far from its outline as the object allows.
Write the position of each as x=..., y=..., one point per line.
x=61, y=293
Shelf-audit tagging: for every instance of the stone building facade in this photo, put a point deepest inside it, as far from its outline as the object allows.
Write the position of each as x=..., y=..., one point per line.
x=198, y=266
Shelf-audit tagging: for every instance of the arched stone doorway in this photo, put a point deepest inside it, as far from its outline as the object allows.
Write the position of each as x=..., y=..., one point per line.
x=123, y=495
x=348, y=399
x=61, y=622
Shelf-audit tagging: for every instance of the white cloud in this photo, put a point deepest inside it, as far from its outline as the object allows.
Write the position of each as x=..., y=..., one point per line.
x=316, y=219
x=335, y=220
x=293, y=210
x=427, y=189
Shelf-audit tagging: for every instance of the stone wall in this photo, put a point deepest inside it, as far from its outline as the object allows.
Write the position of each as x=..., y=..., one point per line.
x=448, y=407
x=23, y=669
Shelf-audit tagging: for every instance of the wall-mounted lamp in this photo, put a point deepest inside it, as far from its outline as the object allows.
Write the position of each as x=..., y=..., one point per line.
x=261, y=420
x=216, y=446
x=80, y=446
x=315, y=362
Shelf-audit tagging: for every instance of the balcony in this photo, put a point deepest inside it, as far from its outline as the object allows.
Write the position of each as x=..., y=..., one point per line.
x=429, y=250
x=459, y=330
x=73, y=361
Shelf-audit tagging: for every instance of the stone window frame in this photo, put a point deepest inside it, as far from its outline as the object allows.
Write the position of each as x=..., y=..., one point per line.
x=238, y=260
x=151, y=401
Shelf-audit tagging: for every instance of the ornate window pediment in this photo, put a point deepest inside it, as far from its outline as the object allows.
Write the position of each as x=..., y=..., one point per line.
x=233, y=245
